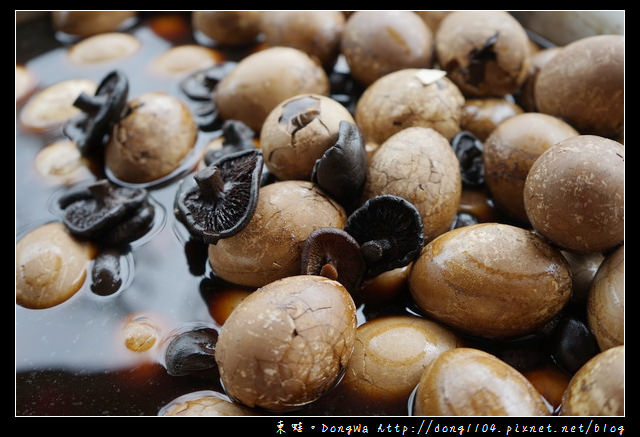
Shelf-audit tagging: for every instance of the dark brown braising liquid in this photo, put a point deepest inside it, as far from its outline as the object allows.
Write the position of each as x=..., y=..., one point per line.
x=71, y=359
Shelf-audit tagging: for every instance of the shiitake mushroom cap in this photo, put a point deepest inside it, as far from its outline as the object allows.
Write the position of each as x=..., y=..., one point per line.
x=100, y=112
x=342, y=169
x=334, y=254
x=225, y=197
x=389, y=230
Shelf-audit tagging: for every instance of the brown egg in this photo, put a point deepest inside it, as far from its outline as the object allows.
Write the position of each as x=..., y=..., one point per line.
x=389, y=356
x=584, y=85
x=376, y=43
x=597, y=389
x=510, y=151
x=152, y=140
x=482, y=116
x=53, y=106
x=470, y=382
x=490, y=280
x=525, y=96
x=298, y=131
x=231, y=28
x=574, y=194
x=409, y=98
x=605, y=304
x=105, y=47
x=486, y=53
x=263, y=80
x=179, y=61
x=270, y=246
x=51, y=266
x=419, y=165
x=62, y=162
x=87, y=23
x=287, y=343
x=317, y=33
x=205, y=403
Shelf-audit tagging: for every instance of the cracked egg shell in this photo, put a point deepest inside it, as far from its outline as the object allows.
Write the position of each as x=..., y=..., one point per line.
x=486, y=53
x=584, y=85
x=298, y=131
x=419, y=165
x=408, y=98
x=389, y=356
x=152, y=140
x=270, y=246
x=287, y=343
x=574, y=194
x=264, y=79
x=491, y=280
x=470, y=382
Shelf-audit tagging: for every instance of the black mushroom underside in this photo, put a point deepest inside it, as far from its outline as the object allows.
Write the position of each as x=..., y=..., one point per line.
x=224, y=196
x=390, y=233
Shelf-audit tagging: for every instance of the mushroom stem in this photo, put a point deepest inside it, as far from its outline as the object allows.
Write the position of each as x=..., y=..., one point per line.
x=329, y=271
x=210, y=182
x=89, y=104
x=374, y=250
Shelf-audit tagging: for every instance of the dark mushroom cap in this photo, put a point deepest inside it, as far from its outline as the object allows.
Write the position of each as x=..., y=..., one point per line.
x=92, y=212
x=389, y=230
x=191, y=351
x=100, y=112
x=333, y=253
x=237, y=137
x=200, y=84
x=468, y=150
x=225, y=197
x=342, y=169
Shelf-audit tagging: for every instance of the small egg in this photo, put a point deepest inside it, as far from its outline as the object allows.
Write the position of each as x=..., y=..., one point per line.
x=389, y=356
x=105, y=47
x=53, y=106
x=51, y=266
x=185, y=59
x=140, y=334
x=287, y=343
x=490, y=280
x=470, y=382
x=205, y=403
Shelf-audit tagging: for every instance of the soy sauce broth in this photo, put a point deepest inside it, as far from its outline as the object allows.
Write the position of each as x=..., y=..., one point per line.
x=71, y=359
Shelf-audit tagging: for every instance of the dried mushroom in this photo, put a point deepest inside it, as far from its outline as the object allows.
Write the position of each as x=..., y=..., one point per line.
x=191, y=351
x=334, y=254
x=107, y=213
x=99, y=113
x=389, y=230
x=342, y=169
x=468, y=150
x=225, y=197
x=237, y=137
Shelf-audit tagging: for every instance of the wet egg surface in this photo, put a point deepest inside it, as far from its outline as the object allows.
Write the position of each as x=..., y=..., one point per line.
x=104, y=352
